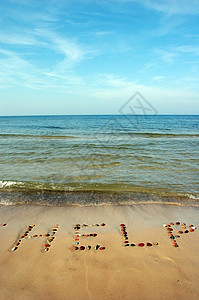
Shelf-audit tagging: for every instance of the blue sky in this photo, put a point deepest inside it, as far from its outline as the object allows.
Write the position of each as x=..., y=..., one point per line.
x=90, y=56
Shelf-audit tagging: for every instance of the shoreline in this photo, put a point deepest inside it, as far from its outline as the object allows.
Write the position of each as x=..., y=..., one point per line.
x=116, y=272
x=61, y=198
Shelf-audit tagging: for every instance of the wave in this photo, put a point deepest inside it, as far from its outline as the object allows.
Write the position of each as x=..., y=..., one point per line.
x=161, y=135
x=15, y=193
x=97, y=136
x=38, y=136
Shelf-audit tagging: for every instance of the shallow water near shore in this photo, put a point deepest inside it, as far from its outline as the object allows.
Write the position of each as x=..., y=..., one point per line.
x=92, y=160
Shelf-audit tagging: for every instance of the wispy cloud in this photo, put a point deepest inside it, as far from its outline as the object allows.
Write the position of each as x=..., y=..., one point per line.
x=166, y=55
x=188, y=49
x=173, y=6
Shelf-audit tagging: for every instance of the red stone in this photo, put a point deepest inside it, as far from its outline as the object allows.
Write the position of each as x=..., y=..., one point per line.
x=75, y=248
x=191, y=230
x=47, y=245
x=81, y=248
x=102, y=248
x=141, y=244
x=171, y=223
x=149, y=244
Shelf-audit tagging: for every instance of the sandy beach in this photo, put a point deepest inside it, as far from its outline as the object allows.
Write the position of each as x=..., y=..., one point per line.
x=160, y=271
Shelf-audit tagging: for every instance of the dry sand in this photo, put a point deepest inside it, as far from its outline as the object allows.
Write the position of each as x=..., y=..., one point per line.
x=118, y=272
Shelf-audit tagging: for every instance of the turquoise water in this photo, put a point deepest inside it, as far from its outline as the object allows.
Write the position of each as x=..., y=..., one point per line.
x=63, y=160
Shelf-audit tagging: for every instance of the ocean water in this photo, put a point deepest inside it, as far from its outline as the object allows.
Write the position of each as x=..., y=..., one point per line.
x=89, y=160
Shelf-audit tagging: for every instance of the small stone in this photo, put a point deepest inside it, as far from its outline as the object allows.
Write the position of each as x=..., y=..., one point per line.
x=149, y=244
x=75, y=248
x=141, y=244
x=96, y=247
x=14, y=248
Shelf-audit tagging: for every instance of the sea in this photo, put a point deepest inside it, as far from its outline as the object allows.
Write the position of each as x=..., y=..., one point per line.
x=99, y=160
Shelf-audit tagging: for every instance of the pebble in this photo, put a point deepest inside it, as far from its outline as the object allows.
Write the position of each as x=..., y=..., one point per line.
x=75, y=248
x=96, y=247
x=14, y=248
x=141, y=244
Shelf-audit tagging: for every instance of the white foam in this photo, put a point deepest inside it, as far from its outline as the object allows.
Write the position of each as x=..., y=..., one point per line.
x=4, y=183
x=192, y=196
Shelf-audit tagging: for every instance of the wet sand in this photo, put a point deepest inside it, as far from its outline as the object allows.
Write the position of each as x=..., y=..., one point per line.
x=117, y=272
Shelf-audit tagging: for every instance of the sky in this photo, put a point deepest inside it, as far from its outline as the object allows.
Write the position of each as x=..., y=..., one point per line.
x=92, y=56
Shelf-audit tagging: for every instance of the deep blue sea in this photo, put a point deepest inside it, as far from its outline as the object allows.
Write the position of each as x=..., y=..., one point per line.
x=89, y=160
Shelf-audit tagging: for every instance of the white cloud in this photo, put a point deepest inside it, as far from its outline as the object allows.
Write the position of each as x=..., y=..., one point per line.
x=173, y=6
x=166, y=55
x=188, y=49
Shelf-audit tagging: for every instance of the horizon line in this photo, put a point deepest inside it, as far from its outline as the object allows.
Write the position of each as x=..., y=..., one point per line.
x=54, y=115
